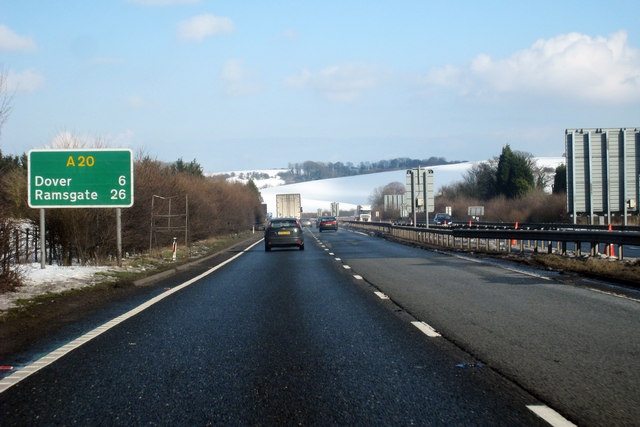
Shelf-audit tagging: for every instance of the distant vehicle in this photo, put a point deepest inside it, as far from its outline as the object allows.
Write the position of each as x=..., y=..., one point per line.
x=306, y=222
x=363, y=213
x=327, y=223
x=442, y=219
x=288, y=206
x=283, y=232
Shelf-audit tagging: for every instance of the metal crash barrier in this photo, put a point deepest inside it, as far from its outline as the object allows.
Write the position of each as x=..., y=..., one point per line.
x=611, y=243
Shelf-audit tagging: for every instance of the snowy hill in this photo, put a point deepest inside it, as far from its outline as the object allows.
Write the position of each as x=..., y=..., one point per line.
x=354, y=190
x=261, y=178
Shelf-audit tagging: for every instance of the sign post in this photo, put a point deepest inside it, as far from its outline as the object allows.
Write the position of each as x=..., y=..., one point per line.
x=80, y=178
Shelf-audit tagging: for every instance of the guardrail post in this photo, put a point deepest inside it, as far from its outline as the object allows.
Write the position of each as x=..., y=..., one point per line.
x=550, y=249
x=578, y=248
x=620, y=257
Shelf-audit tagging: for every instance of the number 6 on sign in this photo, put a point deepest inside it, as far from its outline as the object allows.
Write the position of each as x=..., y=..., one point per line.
x=122, y=180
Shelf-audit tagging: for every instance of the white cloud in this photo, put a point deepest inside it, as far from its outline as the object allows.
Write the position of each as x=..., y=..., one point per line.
x=238, y=81
x=201, y=26
x=343, y=83
x=27, y=81
x=571, y=65
x=11, y=41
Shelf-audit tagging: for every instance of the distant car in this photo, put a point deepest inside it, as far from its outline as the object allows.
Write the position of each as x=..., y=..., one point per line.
x=327, y=223
x=283, y=232
x=306, y=222
x=442, y=219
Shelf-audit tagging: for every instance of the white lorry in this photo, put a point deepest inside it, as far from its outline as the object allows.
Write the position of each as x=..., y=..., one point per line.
x=363, y=213
x=288, y=206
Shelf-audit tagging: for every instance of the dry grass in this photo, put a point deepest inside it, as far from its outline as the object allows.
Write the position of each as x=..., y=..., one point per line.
x=609, y=269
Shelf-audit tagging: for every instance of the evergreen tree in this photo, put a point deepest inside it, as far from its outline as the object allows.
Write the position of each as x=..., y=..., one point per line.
x=191, y=168
x=514, y=176
x=560, y=180
x=254, y=189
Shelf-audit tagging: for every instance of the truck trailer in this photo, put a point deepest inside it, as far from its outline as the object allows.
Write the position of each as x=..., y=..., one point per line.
x=288, y=206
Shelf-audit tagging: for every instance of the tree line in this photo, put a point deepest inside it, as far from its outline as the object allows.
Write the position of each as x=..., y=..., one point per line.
x=310, y=170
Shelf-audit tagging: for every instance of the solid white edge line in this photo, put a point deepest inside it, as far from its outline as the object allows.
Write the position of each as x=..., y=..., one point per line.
x=504, y=267
x=550, y=416
x=46, y=360
x=426, y=329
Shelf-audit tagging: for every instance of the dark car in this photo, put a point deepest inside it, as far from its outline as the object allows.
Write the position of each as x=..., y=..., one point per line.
x=283, y=232
x=327, y=223
x=442, y=219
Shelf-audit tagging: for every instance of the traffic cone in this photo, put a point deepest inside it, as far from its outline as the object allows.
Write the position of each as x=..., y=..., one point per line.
x=609, y=248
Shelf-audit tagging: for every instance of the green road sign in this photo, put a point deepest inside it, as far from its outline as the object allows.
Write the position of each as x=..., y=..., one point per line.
x=93, y=178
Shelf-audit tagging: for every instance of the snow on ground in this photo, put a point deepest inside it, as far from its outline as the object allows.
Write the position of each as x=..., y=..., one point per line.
x=52, y=279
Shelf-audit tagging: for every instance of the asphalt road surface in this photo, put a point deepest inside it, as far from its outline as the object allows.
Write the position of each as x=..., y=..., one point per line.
x=309, y=337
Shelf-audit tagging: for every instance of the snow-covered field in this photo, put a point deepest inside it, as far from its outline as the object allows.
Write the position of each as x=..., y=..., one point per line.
x=348, y=191
x=354, y=190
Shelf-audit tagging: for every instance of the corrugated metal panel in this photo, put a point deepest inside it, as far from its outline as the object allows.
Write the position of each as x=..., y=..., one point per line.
x=598, y=170
x=603, y=169
x=615, y=169
x=632, y=164
x=568, y=150
x=419, y=177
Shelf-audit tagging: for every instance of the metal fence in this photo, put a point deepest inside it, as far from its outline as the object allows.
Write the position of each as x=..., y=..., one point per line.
x=511, y=240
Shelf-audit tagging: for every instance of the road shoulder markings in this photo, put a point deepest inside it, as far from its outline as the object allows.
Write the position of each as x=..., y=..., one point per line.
x=550, y=416
x=19, y=375
x=426, y=329
x=381, y=295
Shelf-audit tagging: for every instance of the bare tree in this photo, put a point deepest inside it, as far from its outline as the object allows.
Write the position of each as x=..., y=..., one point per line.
x=6, y=99
x=67, y=140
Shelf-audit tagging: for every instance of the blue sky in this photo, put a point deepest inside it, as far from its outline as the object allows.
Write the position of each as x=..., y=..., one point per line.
x=260, y=84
